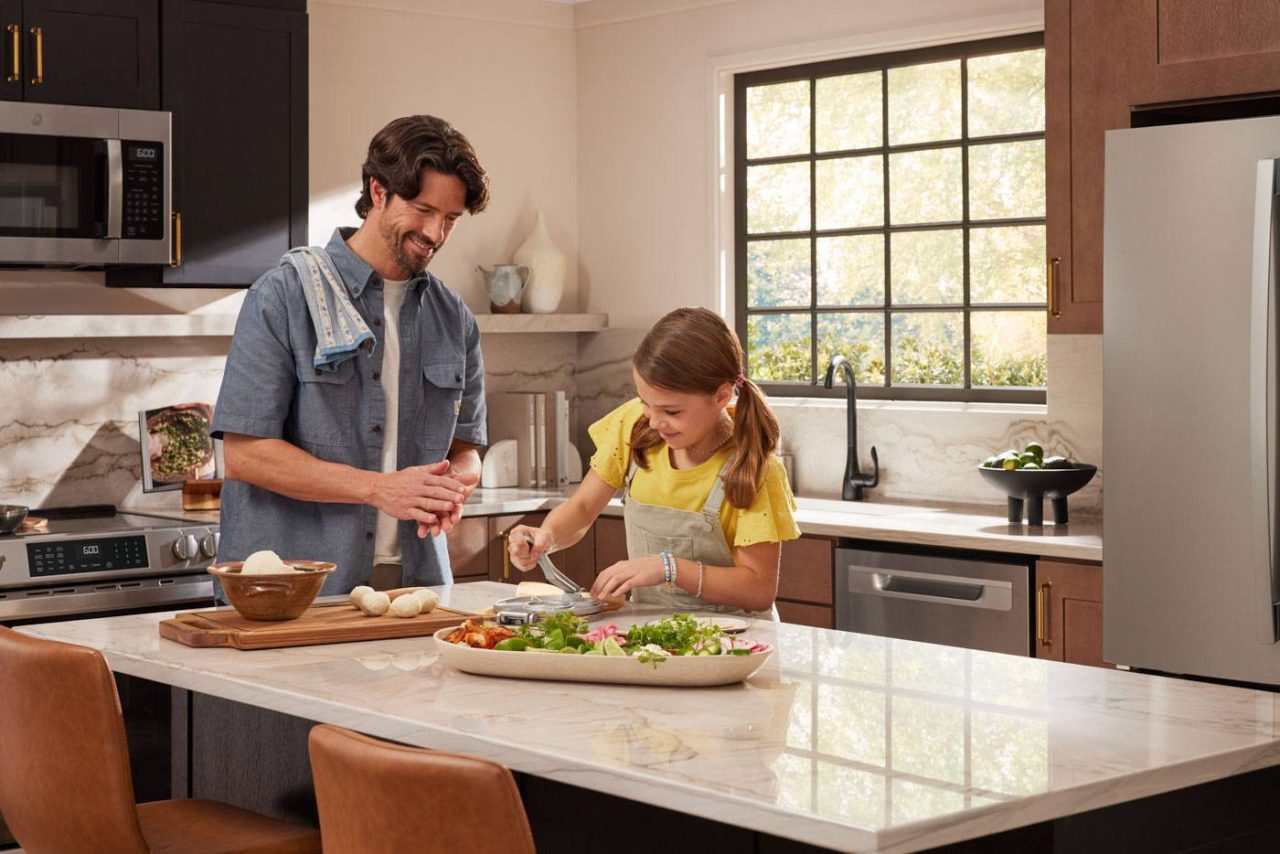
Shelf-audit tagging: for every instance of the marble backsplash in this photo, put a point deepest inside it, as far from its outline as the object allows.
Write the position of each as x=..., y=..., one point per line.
x=69, y=432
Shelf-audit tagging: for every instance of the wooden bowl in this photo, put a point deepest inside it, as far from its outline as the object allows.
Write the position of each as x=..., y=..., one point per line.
x=272, y=596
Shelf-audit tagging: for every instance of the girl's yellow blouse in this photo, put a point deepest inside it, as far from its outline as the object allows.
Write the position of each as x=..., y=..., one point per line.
x=769, y=519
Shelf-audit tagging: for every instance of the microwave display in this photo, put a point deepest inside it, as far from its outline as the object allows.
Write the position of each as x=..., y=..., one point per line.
x=143, y=191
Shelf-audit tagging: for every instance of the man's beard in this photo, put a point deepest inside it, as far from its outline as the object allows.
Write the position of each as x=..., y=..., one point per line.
x=412, y=265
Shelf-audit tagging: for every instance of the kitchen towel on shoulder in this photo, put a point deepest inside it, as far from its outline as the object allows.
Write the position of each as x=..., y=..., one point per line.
x=340, y=330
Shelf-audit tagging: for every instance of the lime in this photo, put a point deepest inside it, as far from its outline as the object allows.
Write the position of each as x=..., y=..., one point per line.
x=612, y=647
x=991, y=463
x=1011, y=464
x=1025, y=459
x=1030, y=466
x=1035, y=449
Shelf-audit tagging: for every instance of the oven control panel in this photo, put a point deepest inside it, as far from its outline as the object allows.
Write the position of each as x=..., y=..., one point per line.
x=143, y=191
x=101, y=554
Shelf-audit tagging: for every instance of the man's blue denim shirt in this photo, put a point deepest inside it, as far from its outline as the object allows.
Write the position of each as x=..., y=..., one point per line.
x=271, y=390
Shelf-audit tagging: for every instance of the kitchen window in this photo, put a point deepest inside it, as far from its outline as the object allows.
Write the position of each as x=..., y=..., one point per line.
x=891, y=208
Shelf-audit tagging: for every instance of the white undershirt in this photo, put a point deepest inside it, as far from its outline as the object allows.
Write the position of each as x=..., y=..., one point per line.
x=386, y=539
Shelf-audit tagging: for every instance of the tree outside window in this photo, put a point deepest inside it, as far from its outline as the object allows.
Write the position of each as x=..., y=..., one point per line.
x=892, y=209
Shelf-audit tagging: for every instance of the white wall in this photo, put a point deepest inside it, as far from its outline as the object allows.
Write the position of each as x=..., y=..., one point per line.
x=501, y=71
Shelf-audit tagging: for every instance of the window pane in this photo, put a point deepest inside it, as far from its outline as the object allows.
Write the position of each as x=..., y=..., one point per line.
x=924, y=102
x=778, y=197
x=927, y=267
x=850, y=112
x=779, y=347
x=778, y=119
x=859, y=338
x=1006, y=180
x=1008, y=349
x=1006, y=93
x=1007, y=264
x=850, y=192
x=928, y=348
x=851, y=270
x=925, y=186
x=778, y=273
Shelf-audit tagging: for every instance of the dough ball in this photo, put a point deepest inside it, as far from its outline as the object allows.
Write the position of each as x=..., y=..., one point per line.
x=406, y=606
x=375, y=604
x=357, y=593
x=264, y=562
x=429, y=599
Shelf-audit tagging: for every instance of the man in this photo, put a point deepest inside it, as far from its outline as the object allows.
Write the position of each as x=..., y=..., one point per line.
x=362, y=457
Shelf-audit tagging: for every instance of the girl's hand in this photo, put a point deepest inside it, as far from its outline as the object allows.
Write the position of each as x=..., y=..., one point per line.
x=626, y=575
x=524, y=556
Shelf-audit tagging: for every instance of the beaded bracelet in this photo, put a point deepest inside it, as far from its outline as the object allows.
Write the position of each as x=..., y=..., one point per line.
x=698, y=594
x=669, y=570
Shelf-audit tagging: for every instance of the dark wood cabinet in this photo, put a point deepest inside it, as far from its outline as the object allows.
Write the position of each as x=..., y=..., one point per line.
x=805, y=578
x=235, y=79
x=578, y=562
x=469, y=549
x=100, y=53
x=1069, y=612
x=611, y=541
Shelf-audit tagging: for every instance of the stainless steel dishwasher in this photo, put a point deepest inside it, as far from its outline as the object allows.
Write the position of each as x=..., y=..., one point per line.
x=976, y=600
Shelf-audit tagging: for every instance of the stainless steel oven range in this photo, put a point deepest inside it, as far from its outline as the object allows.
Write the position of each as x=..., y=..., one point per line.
x=97, y=562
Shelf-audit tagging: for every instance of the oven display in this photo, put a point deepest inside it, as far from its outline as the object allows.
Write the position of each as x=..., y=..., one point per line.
x=71, y=556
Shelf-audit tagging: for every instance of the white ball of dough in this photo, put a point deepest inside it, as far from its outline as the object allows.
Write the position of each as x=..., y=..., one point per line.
x=428, y=598
x=406, y=606
x=357, y=593
x=375, y=604
x=263, y=563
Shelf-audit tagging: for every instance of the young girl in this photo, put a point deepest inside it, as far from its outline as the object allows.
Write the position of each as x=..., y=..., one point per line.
x=705, y=501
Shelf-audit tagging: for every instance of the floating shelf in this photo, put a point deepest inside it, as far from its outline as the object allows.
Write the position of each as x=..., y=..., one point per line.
x=496, y=323
x=115, y=325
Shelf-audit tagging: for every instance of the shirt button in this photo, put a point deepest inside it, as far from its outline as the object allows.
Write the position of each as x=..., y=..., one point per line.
x=368, y=535
x=457, y=378
x=377, y=321
x=377, y=428
x=377, y=375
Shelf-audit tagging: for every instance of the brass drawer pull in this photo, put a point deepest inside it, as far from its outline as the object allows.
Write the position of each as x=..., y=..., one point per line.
x=177, y=240
x=39, y=34
x=1055, y=298
x=1042, y=615
x=15, y=47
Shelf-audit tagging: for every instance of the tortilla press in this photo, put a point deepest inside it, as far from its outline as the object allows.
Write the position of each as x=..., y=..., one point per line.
x=526, y=610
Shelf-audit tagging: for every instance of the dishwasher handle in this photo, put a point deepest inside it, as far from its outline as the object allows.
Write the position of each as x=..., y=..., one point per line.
x=990, y=593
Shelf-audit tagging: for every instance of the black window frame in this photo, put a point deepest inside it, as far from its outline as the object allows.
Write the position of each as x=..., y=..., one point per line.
x=812, y=72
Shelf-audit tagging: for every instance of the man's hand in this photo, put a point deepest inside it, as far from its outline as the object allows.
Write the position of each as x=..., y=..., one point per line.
x=426, y=494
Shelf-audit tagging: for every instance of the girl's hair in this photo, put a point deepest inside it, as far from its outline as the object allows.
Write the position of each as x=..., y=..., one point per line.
x=692, y=350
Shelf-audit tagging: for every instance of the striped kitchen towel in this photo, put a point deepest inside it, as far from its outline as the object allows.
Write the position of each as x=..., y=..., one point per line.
x=340, y=330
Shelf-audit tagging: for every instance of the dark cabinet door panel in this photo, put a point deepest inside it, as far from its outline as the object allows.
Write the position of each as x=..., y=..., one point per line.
x=11, y=40
x=236, y=81
x=103, y=53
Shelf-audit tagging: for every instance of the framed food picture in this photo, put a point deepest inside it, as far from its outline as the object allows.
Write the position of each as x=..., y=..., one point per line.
x=176, y=446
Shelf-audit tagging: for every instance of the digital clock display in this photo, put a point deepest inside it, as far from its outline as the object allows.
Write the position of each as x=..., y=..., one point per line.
x=145, y=152
x=67, y=557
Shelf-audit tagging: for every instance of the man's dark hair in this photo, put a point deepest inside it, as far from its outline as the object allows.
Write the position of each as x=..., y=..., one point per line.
x=400, y=151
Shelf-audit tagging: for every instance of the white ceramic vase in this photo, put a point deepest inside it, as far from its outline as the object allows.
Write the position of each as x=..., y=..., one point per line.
x=546, y=283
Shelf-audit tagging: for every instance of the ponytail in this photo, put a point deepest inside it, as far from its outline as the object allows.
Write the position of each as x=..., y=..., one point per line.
x=755, y=436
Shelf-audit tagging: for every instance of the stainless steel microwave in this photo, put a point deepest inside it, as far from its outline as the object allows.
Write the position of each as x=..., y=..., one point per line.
x=84, y=186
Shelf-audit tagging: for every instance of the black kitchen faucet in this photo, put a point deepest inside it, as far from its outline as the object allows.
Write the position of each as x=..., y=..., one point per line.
x=854, y=480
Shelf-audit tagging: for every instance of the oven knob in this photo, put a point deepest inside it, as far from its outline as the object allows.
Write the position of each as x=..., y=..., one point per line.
x=209, y=544
x=184, y=548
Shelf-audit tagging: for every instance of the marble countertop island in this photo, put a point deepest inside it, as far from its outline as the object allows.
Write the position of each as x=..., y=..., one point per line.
x=846, y=741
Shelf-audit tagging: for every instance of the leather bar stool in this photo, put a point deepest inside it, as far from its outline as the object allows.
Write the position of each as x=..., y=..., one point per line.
x=65, y=786
x=376, y=797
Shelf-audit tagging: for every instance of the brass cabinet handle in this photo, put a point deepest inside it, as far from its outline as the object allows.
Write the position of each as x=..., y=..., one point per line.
x=177, y=240
x=15, y=47
x=1042, y=615
x=39, y=34
x=506, y=556
x=1055, y=302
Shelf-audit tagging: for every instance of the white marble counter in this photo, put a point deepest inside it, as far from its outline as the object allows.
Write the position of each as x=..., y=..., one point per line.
x=954, y=525
x=847, y=741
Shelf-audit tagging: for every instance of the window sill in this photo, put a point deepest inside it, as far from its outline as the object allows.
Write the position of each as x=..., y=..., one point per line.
x=942, y=407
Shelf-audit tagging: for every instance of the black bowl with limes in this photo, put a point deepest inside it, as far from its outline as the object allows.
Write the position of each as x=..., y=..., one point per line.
x=1030, y=486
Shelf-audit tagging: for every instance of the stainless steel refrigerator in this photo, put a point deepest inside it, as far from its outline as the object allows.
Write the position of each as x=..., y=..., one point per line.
x=1189, y=399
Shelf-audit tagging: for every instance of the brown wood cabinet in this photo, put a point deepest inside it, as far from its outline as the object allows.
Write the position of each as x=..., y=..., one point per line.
x=611, y=541
x=1069, y=612
x=577, y=562
x=805, y=582
x=1183, y=50
x=1085, y=96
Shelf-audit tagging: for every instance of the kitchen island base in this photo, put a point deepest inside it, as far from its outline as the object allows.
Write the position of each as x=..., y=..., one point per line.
x=257, y=759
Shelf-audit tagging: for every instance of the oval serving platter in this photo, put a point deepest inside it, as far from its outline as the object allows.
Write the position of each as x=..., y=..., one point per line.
x=678, y=670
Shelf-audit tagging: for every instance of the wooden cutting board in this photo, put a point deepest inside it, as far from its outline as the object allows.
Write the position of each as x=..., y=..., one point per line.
x=333, y=623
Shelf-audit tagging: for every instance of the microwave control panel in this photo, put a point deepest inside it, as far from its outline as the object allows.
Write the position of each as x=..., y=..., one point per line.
x=143, y=191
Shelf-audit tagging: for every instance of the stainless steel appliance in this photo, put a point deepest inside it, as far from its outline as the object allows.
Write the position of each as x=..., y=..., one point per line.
x=84, y=186
x=95, y=562
x=1189, y=399
x=966, y=599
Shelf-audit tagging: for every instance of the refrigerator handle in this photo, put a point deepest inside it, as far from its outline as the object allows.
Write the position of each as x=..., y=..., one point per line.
x=1262, y=399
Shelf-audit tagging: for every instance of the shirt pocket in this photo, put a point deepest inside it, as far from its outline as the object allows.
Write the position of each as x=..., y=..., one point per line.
x=442, y=385
x=328, y=412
